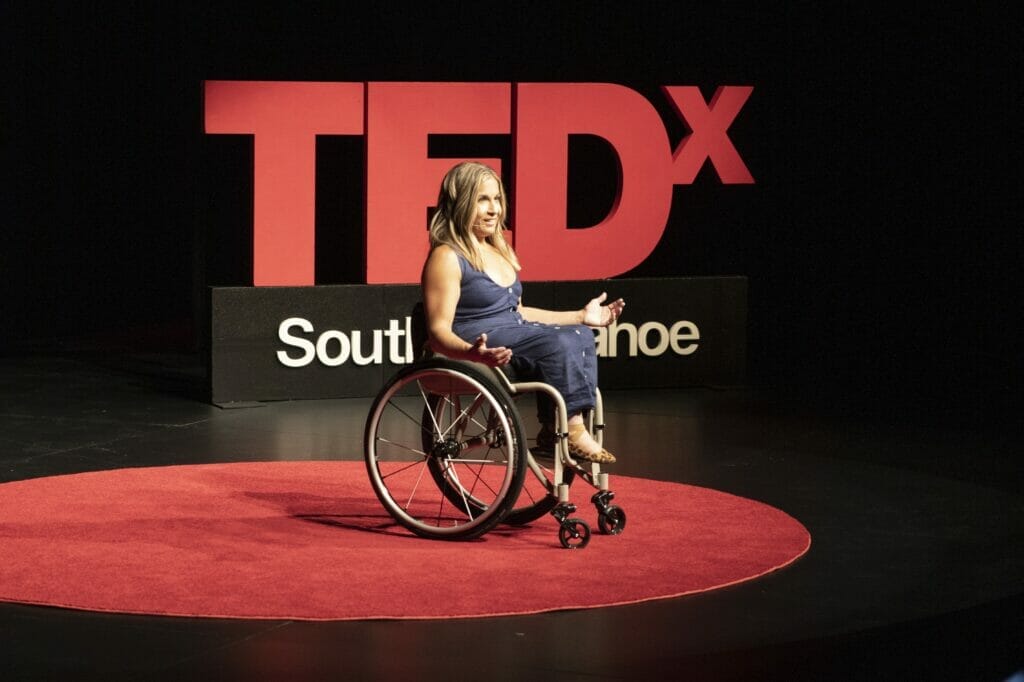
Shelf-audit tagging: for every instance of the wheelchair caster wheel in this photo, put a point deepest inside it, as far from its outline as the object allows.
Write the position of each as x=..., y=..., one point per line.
x=574, y=534
x=612, y=520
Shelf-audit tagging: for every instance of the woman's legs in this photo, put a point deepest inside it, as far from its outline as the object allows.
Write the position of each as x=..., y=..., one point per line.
x=566, y=358
x=563, y=356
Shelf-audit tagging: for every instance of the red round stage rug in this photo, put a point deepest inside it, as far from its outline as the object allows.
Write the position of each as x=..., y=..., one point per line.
x=310, y=541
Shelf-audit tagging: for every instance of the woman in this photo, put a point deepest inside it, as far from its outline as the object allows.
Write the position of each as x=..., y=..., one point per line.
x=472, y=297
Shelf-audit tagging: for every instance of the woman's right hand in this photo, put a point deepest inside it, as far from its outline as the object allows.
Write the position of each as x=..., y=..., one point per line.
x=492, y=357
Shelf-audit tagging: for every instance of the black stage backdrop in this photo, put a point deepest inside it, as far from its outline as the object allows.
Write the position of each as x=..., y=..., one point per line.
x=881, y=238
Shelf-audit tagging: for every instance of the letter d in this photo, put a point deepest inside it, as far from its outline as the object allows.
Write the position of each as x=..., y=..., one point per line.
x=546, y=114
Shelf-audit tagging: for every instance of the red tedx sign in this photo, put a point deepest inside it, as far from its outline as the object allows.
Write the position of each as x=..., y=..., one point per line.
x=397, y=119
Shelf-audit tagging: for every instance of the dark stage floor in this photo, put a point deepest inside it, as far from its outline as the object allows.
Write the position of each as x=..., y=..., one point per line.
x=916, y=569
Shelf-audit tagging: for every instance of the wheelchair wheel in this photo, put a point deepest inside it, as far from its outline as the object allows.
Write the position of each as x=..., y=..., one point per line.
x=574, y=534
x=538, y=495
x=442, y=448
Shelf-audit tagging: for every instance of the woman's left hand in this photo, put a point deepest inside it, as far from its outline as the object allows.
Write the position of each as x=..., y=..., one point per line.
x=597, y=315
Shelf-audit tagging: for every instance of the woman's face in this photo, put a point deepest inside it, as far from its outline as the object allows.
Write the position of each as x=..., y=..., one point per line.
x=488, y=209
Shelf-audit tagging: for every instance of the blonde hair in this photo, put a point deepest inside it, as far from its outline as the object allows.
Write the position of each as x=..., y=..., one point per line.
x=452, y=224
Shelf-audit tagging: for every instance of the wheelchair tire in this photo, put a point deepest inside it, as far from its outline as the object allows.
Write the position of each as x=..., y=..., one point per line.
x=448, y=420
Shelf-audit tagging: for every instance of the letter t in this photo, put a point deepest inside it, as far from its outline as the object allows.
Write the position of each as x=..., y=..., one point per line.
x=284, y=119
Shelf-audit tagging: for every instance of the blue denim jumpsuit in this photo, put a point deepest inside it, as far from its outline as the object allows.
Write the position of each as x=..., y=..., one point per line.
x=561, y=355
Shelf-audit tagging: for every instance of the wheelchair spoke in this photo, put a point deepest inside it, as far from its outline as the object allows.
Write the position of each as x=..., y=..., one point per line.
x=408, y=416
x=402, y=469
x=412, y=493
x=382, y=439
x=472, y=409
x=478, y=473
x=450, y=472
x=445, y=401
x=480, y=478
x=442, y=401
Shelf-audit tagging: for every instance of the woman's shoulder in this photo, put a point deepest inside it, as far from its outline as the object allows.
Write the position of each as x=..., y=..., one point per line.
x=444, y=253
x=444, y=259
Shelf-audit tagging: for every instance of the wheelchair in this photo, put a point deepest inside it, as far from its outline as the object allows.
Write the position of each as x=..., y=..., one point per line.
x=447, y=455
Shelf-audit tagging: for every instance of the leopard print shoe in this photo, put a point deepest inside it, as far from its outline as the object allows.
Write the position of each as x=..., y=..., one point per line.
x=600, y=456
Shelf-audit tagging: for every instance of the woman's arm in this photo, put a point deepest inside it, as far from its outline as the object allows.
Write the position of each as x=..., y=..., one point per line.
x=564, y=317
x=592, y=315
x=441, y=286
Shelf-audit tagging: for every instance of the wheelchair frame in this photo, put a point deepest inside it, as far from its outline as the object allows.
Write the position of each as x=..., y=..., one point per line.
x=470, y=439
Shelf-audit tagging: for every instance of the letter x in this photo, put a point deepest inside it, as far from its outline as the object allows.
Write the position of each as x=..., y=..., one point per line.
x=708, y=139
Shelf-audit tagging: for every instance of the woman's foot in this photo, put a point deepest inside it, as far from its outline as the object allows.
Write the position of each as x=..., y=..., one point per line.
x=583, y=446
